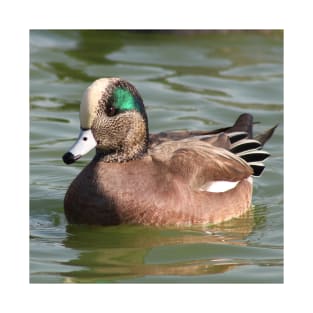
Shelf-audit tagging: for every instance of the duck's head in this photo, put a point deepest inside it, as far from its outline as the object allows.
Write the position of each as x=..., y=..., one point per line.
x=112, y=119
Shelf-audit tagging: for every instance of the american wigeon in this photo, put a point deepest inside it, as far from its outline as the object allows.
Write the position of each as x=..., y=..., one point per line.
x=174, y=178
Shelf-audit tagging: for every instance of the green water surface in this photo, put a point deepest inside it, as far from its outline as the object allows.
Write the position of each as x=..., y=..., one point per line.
x=188, y=81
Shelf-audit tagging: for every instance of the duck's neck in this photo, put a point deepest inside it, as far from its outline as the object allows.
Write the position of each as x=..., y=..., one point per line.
x=117, y=156
x=130, y=150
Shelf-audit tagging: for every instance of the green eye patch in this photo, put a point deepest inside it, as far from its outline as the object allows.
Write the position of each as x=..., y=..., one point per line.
x=124, y=100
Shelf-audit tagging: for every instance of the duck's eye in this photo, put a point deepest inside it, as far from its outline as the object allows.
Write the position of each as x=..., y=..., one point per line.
x=111, y=110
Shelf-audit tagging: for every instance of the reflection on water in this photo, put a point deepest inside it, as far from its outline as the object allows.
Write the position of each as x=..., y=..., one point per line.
x=188, y=81
x=131, y=252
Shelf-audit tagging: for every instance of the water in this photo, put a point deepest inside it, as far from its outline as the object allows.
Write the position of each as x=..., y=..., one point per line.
x=187, y=81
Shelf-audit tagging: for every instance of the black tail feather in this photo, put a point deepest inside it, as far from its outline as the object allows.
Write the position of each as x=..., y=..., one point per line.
x=258, y=168
x=247, y=148
x=243, y=124
x=236, y=136
x=263, y=138
x=244, y=145
x=254, y=155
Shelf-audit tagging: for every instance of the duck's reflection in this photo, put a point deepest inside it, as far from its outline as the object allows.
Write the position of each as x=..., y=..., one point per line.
x=127, y=253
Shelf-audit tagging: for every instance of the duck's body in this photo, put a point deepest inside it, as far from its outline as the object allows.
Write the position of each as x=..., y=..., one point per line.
x=146, y=191
x=176, y=178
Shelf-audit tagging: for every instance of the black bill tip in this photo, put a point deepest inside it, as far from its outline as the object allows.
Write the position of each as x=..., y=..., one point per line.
x=69, y=158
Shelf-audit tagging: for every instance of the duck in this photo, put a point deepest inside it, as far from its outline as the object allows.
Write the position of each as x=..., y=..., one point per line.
x=174, y=178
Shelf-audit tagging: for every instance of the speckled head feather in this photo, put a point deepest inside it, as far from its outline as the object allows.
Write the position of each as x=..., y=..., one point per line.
x=113, y=109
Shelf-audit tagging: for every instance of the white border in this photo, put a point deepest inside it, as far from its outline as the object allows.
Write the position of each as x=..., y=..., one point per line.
x=296, y=20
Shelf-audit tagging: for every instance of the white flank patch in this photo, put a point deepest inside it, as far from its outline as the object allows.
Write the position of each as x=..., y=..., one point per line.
x=223, y=185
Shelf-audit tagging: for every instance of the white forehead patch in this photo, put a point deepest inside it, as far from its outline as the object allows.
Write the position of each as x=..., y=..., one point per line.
x=90, y=101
